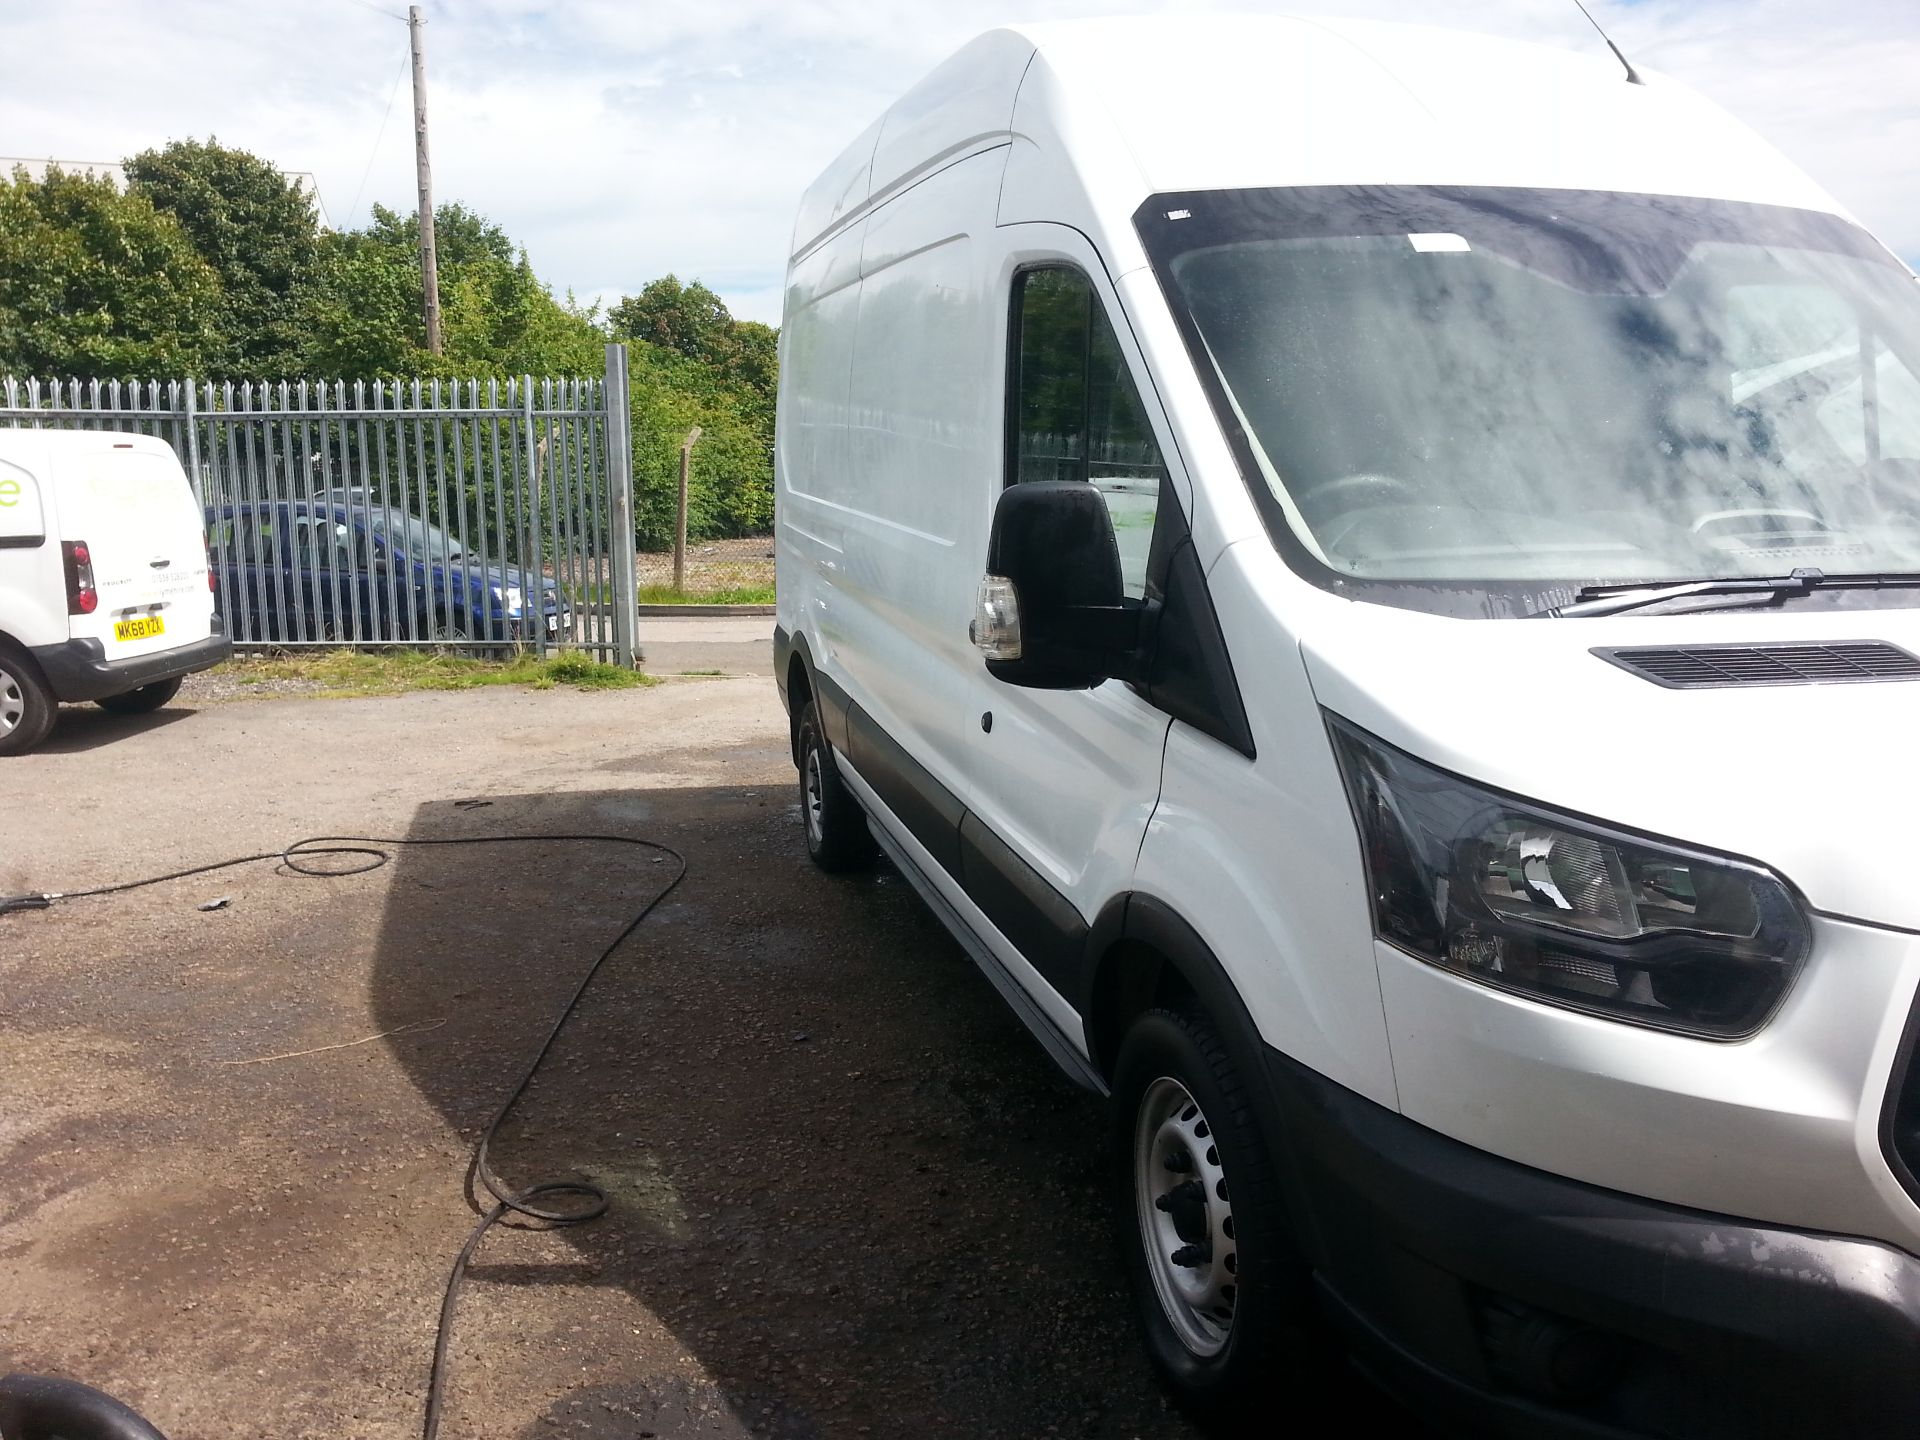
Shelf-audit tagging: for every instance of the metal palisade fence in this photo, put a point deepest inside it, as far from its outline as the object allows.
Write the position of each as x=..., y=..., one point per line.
x=476, y=515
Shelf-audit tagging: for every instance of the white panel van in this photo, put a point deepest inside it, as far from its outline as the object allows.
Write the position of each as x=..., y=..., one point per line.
x=104, y=585
x=1372, y=578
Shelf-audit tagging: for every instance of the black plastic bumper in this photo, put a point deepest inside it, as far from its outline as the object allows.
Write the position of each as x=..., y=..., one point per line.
x=1431, y=1254
x=79, y=670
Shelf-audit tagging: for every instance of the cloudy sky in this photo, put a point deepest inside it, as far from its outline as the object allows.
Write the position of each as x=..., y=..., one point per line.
x=618, y=141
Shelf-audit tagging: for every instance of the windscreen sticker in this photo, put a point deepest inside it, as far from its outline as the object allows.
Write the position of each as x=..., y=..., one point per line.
x=1438, y=242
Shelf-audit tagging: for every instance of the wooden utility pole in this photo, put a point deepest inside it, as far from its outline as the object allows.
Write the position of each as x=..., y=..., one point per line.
x=680, y=523
x=429, y=258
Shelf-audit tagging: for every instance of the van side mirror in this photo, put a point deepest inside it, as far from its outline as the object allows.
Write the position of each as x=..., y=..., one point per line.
x=1052, y=612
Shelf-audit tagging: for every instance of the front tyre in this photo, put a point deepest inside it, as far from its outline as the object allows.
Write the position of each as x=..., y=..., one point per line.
x=1221, y=1298
x=837, y=833
x=145, y=700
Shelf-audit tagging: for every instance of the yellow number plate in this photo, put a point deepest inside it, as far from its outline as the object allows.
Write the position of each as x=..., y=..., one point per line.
x=140, y=627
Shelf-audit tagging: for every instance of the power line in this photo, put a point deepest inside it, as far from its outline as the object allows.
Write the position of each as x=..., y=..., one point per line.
x=392, y=96
x=379, y=10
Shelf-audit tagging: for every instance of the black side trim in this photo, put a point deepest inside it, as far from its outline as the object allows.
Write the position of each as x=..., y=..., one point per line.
x=22, y=542
x=926, y=807
x=833, y=703
x=1041, y=922
x=1057, y=1045
x=782, y=652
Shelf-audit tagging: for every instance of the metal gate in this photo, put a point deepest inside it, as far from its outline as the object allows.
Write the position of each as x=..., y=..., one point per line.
x=476, y=515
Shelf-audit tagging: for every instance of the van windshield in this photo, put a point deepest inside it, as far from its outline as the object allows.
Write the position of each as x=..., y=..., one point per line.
x=1519, y=386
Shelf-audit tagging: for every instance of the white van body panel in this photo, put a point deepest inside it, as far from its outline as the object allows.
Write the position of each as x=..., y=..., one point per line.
x=127, y=498
x=1270, y=844
x=1227, y=101
x=33, y=589
x=1041, y=144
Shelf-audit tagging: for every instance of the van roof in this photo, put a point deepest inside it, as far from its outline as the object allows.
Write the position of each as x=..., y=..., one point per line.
x=28, y=448
x=1147, y=104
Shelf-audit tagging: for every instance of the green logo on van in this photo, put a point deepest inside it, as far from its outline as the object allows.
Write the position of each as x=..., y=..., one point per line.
x=9, y=493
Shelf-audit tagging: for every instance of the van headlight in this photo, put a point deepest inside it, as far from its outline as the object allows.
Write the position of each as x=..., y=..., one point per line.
x=1563, y=910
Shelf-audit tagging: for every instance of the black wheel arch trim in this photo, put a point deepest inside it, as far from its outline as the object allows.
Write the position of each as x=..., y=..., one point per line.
x=829, y=696
x=1135, y=926
x=782, y=654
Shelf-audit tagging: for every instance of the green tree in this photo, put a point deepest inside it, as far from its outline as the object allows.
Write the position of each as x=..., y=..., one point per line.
x=732, y=482
x=256, y=229
x=694, y=364
x=95, y=282
x=690, y=319
x=362, y=312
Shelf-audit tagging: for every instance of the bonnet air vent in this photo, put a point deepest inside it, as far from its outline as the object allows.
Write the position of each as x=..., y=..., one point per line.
x=1713, y=667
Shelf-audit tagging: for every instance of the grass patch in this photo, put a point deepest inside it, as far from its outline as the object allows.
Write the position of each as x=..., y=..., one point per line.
x=725, y=595
x=393, y=672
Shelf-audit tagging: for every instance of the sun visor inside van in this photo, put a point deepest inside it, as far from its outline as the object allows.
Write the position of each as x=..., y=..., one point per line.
x=22, y=523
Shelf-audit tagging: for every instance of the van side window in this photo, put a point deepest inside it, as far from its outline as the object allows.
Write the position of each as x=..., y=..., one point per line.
x=1074, y=412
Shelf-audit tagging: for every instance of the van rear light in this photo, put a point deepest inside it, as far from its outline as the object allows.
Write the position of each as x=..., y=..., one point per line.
x=82, y=597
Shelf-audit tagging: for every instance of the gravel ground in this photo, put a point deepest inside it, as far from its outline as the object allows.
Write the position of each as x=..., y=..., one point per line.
x=851, y=1196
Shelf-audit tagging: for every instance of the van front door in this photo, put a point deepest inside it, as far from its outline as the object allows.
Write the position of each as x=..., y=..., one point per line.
x=1066, y=780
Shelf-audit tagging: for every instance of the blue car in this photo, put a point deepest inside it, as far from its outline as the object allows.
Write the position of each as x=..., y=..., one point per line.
x=344, y=570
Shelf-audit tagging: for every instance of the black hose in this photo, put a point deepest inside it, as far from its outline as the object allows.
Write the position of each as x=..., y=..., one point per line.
x=592, y=1201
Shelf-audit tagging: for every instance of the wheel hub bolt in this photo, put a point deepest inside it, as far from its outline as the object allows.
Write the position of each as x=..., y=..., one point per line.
x=1200, y=1253
x=1179, y=1162
x=1191, y=1192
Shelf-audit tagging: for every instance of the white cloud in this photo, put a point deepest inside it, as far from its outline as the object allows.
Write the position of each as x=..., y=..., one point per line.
x=620, y=141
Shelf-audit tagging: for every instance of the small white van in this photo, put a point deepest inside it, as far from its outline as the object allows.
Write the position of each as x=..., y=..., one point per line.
x=1372, y=578
x=105, y=591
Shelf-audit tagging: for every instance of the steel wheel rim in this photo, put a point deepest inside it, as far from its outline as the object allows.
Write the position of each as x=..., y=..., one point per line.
x=816, y=797
x=13, y=703
x=1185, y=1215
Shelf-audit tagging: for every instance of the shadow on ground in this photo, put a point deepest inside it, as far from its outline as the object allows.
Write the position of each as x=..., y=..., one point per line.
x=86, y=727
x=855, y=1194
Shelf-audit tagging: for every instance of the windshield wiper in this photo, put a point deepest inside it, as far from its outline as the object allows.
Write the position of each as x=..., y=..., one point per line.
x=1747, y=590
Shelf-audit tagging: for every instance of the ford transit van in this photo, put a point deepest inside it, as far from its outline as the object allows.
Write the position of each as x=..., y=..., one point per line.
x=105, y=592
x=1371, y=577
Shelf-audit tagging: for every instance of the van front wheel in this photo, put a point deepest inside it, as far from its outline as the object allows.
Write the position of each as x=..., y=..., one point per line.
x=1221, y=1298
x=837, y=834
x=27, y=707
x=143, y=701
